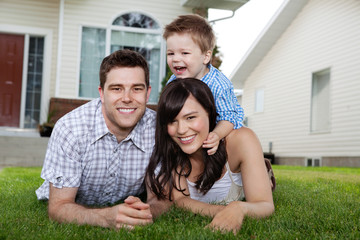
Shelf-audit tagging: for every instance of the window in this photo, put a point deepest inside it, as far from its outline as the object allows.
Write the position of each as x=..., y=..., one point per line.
x=259, y=100
x=92, y=54
x=320, y=98
x=133, y=31
x=34, y=82
x=313, y=162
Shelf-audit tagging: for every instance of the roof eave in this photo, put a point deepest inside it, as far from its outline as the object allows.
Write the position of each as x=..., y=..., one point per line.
x=266, y=39
x=216, y=4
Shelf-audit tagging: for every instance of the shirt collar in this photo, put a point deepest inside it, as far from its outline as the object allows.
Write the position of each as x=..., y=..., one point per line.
x=100, y=128
x=135, y=135
x=206, y=77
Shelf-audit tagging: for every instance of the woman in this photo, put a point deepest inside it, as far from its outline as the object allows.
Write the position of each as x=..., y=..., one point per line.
x=180, y=169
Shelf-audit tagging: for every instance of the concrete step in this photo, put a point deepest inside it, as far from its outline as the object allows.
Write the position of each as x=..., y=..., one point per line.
x=19, y=148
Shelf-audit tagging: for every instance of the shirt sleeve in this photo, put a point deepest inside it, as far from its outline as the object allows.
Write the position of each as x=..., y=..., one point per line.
x=228, y=108
x=172, y=78
x=62, y=166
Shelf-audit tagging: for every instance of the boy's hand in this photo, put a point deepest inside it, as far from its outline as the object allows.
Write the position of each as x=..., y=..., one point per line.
x=212, y=142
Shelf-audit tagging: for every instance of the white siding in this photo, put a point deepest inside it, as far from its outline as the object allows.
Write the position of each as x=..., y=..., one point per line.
x=78, y=13
x=325, y=34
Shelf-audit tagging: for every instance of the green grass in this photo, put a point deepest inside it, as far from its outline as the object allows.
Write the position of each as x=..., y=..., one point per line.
x=310, y=203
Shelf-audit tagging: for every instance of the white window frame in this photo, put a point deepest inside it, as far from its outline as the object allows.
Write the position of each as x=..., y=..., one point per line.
x=110, y=28
x=320, y=114
x=313, y=162
x=259, y=100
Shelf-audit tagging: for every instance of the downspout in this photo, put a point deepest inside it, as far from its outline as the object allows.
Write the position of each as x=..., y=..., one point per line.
x=59, y=47
x=215, y=20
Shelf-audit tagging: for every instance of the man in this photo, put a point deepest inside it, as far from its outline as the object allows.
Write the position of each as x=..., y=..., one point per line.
x=98, y=153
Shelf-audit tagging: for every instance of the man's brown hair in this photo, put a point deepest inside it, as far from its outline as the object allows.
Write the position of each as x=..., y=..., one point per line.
x=123, y=58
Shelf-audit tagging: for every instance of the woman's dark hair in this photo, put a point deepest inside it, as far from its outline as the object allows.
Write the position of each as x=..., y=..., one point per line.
x=167, y=157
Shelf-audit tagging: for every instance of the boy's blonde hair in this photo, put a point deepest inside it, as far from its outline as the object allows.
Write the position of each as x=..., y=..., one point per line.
x=198, y=27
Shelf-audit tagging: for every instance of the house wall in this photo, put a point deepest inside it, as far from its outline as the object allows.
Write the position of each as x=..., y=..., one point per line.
x=325, y=34
x=78, y=13
x=31, y=13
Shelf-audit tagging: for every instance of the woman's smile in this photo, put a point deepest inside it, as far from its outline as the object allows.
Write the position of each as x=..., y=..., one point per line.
x=187, y=140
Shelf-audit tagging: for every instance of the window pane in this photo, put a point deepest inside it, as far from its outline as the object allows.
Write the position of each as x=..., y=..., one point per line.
x=94, y=45
x=309, y=162
x=135, y=39
x=34, y=82
x=146, y=44
x=259, y=100
x=320, y=107
x=136, y=20
x=92, y=53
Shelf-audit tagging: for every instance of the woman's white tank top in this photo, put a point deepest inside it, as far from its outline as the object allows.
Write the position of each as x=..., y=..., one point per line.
x=225, y=190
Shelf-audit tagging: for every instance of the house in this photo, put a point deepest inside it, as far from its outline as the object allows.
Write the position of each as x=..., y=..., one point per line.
x=51, y=50
x=301, y=84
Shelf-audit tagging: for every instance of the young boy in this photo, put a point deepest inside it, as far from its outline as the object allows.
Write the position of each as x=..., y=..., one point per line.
x=190, y=41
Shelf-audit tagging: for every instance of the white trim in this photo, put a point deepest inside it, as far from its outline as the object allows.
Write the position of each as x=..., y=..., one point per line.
x=107, y=41
x=16, y=29
x=163, y=62
x=138, y=11
x=45, y=92
x=77, y=87
x=59, y=47
x=24, y=79
x=136, y=30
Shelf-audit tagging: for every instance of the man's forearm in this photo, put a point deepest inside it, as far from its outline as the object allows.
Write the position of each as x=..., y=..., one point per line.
x=62, y=208
x=75, y=213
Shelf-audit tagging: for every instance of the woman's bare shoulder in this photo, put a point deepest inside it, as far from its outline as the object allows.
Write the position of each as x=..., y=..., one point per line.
x=241, y=145
x=240, y=135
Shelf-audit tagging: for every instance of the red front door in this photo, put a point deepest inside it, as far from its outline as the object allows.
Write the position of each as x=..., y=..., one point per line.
x=11, y=66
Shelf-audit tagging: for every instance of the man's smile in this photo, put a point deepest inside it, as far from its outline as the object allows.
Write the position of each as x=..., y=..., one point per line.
x=126, y=110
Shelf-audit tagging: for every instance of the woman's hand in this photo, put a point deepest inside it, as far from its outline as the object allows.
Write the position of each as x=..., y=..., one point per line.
x=229, y=219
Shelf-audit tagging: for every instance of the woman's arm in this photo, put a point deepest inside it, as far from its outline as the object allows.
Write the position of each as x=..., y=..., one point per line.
x=245, y=154
x=195, y=206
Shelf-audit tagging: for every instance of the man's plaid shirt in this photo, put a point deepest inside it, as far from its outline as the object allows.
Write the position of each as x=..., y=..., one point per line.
x=82, y=153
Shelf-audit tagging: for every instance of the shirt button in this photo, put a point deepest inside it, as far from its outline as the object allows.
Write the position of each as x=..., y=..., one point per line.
x=59, y=179
x=115, y=150
x=112, y=175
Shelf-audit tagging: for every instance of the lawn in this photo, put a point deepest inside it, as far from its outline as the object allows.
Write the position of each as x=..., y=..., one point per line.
x=310, y=203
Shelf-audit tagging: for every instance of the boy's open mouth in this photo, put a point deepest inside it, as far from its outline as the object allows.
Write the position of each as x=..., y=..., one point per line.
x=180, y=70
